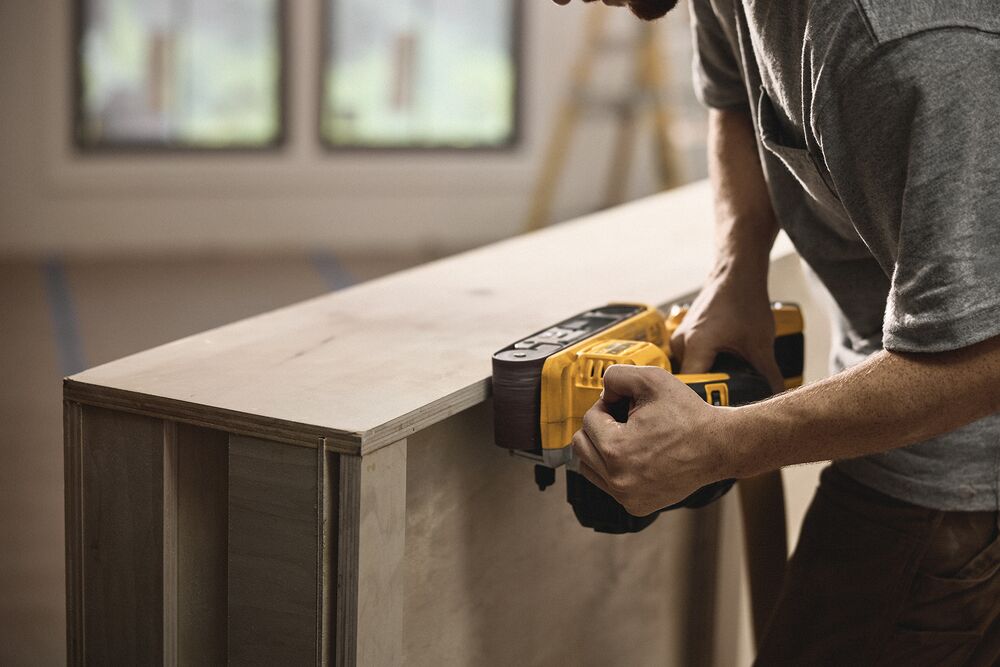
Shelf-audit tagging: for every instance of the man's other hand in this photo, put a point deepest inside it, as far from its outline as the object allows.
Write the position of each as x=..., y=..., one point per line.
x=731, y=314
x=672, y=443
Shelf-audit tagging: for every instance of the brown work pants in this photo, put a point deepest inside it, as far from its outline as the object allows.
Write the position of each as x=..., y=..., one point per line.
x=877, y=581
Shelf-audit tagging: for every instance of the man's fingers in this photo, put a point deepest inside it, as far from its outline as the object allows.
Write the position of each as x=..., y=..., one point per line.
x=599, y=422
x=594, y=478
x=677, y=349
x=701, y=360
x=622, y=381
x=588, y=454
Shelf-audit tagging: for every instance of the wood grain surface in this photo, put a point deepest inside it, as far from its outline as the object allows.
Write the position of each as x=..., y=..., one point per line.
x=381, y=547
x=122, y=511
x=499, y=573
x=274, y=617
x=202, y=541
x=370, y=365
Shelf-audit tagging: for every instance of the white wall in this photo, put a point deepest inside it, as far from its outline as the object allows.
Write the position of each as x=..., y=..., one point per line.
x=53, y=200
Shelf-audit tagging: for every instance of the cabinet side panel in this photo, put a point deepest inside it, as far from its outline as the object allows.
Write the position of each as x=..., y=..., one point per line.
x=273, y=576
x=122, y=513
x=498, y=573
x=202, y=527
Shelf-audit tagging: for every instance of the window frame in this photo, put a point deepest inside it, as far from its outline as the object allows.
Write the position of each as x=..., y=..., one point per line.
x=140, y=146
x=511, y=143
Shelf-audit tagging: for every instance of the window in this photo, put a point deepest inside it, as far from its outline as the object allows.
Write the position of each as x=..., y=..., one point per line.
x=420, y=73
x=179, y=73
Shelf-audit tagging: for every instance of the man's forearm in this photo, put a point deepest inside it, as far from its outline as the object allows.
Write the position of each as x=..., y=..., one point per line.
x=745, y=220
x=889, y=401
x=732, y=311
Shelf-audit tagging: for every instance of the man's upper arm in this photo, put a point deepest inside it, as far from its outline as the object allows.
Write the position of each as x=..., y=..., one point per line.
x=912, y=143
x=718, y=82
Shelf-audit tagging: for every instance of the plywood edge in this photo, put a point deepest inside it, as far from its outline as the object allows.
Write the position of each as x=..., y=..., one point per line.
x=238, y=423
x=417, y=420
x=73, y=443
x=170, y=543
x=348, y=545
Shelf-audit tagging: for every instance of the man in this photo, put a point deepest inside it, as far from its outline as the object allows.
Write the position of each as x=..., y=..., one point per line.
x=868, y=131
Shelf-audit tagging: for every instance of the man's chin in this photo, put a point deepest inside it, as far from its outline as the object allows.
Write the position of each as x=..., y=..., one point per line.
x=650, y=10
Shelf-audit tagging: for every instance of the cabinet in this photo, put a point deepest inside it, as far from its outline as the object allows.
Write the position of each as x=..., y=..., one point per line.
x=319, y=484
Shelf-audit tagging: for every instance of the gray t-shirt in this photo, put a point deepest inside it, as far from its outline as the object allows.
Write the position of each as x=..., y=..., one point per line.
x=879, y=133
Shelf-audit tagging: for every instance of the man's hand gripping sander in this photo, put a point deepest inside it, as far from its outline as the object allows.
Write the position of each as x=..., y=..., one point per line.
x=543, y=385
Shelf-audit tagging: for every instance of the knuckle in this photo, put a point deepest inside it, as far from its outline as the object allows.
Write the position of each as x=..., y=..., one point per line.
x=580, y=445
x=653, y=379
x=658, y=376
x=617, y=487
x=612, y=458
x=620, y=487
x=634, y=507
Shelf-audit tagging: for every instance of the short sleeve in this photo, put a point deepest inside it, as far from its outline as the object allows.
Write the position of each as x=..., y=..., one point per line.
x=717, y=79
x=911, y=140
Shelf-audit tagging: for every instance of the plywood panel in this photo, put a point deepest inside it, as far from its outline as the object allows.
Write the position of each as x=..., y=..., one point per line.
x=703, y=619
x=122, y=474
x=274, y=601
x=202, y=540
x=498, y=573
x=382, y=538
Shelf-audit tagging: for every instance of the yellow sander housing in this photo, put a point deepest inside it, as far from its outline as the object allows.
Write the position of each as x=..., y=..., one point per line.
x=543, y=385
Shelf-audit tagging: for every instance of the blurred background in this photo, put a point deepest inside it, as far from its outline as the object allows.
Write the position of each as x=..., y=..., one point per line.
x=167, y=166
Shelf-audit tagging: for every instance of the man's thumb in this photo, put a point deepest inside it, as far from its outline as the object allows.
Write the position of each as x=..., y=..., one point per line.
x=698, y=359
x=768, y=366
x=622, y=381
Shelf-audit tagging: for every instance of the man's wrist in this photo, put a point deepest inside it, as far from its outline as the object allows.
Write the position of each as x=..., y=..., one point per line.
x=739, y=442
x=745, y=268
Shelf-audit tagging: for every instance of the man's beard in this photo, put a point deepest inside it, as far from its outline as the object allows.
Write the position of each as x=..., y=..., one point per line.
x=650, y=10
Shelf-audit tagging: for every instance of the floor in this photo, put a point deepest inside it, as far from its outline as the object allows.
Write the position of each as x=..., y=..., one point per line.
x=58, y=317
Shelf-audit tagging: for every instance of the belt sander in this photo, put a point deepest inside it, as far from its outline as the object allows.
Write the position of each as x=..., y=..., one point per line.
x=543, y=385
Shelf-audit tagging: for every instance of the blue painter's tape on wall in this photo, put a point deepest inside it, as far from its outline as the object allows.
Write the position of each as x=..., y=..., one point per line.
x=62, y=310
x=333, y=272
